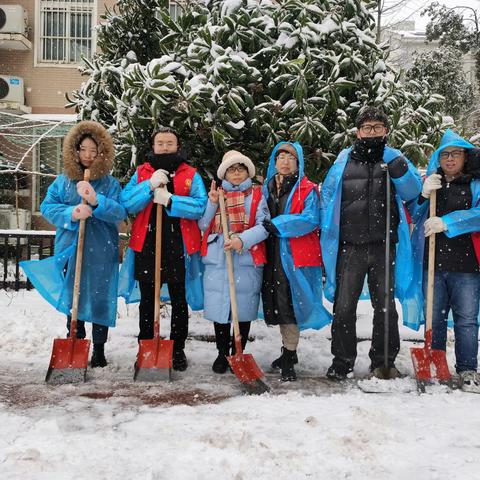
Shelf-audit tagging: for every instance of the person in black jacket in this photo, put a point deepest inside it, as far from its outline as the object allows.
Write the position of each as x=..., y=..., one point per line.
x=353, y=244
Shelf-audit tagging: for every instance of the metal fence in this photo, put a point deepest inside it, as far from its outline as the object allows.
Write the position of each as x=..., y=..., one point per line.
x=18, y=245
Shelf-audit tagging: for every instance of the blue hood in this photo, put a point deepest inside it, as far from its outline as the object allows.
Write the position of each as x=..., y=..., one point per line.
x=449, y=139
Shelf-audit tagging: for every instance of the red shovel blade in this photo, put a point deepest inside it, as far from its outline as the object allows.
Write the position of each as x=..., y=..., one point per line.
x=248, y=372
x=428, y=363
x=154, y=360
x=69, y=360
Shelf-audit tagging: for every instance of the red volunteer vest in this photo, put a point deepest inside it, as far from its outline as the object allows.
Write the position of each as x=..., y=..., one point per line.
x=259, y=250
x=306, y=251
x=182, y=182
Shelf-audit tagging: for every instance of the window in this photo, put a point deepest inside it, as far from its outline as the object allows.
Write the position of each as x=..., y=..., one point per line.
x=65, y=30
x=175, y=10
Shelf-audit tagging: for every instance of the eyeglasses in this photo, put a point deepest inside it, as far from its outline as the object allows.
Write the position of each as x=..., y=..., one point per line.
x=455, y=154
x=237, y=168
x=286, y=156
x=377, y=128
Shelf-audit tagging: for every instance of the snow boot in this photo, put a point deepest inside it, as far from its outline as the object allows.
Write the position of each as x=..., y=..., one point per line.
x=338, y=371
x=470, y=381
x=288, y=360
x=277, y=363
x=98, y=356
x=179, y=360
x=220, y=365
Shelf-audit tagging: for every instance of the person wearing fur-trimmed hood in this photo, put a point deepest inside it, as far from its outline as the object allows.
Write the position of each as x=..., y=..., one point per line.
x=246, y=210
x=87, y=145
x=292, y=277
x=454, y=172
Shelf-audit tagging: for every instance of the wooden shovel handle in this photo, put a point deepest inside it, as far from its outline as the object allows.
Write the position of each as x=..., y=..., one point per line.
x=431, y=265
x=158, y=270
x=78, y=268
x=231, y=279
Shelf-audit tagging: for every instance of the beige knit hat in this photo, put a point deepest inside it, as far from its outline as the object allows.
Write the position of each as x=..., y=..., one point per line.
x=232, y=157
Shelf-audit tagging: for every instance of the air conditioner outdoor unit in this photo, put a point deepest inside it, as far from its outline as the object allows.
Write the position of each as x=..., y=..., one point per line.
x=13, y=19
x=11, y=89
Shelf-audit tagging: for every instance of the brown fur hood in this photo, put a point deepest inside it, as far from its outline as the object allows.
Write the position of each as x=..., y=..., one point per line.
x=102, y=165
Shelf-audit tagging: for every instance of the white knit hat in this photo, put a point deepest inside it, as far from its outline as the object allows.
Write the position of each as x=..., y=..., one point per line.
x=232, y=157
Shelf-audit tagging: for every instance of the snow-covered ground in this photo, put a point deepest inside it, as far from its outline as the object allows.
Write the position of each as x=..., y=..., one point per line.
x=201, y=426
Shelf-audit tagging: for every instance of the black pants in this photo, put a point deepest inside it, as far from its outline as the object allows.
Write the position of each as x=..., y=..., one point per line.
x=224, y=338
x=353, y=263
x=99, y=332
x=179, y=318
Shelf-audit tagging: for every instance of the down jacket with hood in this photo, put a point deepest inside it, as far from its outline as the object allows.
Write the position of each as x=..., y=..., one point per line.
x=53, y=277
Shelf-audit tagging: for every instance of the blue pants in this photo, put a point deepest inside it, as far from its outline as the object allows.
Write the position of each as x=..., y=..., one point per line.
x=459, y=292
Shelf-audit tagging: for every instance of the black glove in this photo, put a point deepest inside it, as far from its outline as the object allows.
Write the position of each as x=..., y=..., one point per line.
x=270, y=227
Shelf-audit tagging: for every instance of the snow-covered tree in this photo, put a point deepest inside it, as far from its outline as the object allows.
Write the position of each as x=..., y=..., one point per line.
x=443, y=70
x=245, y=74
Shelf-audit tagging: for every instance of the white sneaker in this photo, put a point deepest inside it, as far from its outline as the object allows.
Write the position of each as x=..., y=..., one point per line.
x=470, y=381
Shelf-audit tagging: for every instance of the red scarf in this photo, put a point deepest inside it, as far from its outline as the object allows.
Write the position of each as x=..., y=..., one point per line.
x=235, y=207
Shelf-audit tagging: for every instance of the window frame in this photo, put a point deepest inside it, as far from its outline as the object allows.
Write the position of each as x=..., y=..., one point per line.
x=40, y=62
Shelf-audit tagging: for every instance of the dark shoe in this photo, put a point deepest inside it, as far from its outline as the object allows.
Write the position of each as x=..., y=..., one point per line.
x=390, y=374
x=220, y=365
x=337, y=372
x=288, y=360
x=179, y=360
x=277, y=363
x=98, y=356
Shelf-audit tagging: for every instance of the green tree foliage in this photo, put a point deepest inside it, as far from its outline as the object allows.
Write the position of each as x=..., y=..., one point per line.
x=245, y=75
x=443, y=70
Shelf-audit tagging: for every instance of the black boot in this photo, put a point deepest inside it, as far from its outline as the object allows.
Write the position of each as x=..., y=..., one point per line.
x=98, y=356
x=288, y=360
x=277, y=363
x=220, y=365
x=179, y=360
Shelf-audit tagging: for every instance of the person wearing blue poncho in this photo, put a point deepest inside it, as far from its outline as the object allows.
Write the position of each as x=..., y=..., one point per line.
x=353, y=225
x=292, y=277
x=453, y=171
x=87, y=145
x=164, y=180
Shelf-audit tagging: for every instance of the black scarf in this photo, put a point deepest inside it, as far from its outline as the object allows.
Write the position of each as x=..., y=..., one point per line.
x=167, y=161
x=368, y=150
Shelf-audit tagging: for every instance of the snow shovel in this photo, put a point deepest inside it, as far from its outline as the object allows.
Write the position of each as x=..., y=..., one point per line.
x=154, y=358
x=243, y=366
x=69, y=360
x=430, y=364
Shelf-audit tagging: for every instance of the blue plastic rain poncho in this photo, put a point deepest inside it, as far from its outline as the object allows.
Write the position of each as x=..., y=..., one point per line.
x=53, y=277
x=305, y=282
x=135, y=197
x=407, y=187
x=458, y=223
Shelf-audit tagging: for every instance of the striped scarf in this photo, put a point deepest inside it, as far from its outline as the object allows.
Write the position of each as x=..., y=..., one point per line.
x=235, y=206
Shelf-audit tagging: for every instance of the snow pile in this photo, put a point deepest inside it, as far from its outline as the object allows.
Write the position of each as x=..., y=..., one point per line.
x=200, y=426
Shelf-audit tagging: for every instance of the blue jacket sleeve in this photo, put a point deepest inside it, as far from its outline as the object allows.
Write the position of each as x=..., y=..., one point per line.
x=55, y=210
x=193, y=206
x=327, y=192
x=207, y=217
x=257, y=233
x=463, y=221
x=136, y=196
x=109, y=208
x=299, y=224
x=409, y=185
